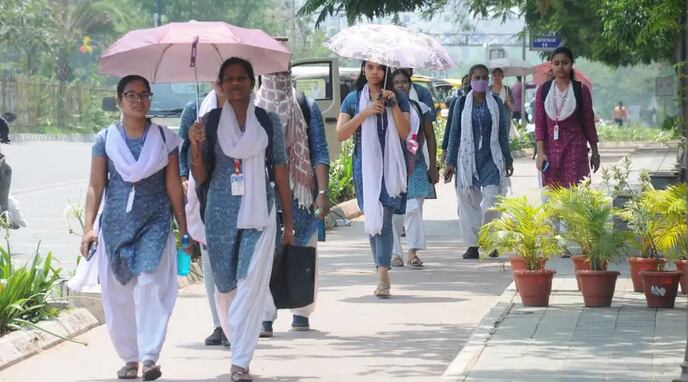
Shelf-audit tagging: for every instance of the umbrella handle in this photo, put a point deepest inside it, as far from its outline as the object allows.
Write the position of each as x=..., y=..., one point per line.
x=194, y=49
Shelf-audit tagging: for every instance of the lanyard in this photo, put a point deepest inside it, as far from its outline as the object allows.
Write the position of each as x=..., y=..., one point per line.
x=481, y=127
x=237, y=167
x=142, y=140
x=560, y=107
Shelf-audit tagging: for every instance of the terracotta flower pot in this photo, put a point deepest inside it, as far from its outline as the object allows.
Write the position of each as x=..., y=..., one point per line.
x=660, y=288
x=518, y=264
x=639, y=264
x=534, y=286
x=597, y=287
x=580, y=263
x=682, y=266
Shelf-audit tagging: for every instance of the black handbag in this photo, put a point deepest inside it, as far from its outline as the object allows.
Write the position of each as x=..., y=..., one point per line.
x=292, y=283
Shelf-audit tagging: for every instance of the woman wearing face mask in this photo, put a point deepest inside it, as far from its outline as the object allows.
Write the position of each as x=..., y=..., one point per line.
x=479, y=154
x=379, y=120
x=564, y=126
x=421, y=179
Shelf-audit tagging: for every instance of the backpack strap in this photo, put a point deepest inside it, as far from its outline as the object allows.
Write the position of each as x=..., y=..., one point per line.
x=211, y=124
x=264, y=120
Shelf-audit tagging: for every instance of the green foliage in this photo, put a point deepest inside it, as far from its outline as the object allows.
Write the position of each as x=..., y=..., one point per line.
x=341, y=187
x=628, y=133
x=587, y=220
x=25, y=291
x=523, y=228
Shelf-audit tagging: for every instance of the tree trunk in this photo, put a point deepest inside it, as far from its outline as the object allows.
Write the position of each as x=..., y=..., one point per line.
x=62, y=72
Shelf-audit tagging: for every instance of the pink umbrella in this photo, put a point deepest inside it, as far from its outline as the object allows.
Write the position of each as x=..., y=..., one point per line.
x=543, y=73
x=163, y=54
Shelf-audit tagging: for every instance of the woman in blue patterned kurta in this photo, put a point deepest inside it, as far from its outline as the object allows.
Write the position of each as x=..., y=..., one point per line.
x=348, y=124
x=241, y=261
x=136, y=254
x=421, y=180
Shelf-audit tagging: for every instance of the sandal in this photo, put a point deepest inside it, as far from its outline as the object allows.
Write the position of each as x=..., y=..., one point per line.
x=239, y=374
x=128, y=371
x=397, y=262
x=383, y=285
x=415, y=262
x=150, y=371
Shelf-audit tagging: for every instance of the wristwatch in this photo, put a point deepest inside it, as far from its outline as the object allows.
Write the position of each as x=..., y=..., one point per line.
x=322, y=192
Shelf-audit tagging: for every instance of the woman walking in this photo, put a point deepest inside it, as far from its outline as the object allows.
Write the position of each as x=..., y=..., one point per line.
x=309, y=163
x=479, y=154
x=378, y=118
x=420, y=181
x=135, y=165
x=235, y=152
x=564, y=126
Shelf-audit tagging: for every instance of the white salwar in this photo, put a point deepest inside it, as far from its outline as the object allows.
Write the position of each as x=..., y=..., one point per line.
x=137, y=313
x=240, y=315
x=412, y=222
x=270, y=313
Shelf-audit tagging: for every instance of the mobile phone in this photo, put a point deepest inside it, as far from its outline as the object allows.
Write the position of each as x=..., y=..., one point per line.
x=92, y=247
x=545, y=166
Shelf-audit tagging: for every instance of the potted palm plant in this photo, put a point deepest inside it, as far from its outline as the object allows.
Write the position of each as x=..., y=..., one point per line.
x=646, y=220
x=587, y=220
x=524, y=228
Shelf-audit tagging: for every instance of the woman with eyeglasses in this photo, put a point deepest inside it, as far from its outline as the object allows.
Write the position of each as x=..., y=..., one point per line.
x=479, y=155
x=135, y=167
x=423, y=176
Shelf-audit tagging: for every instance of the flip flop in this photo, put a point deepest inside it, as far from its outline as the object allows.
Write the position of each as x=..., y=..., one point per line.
x=415, y=262
x=150, y=372
x=128, y=372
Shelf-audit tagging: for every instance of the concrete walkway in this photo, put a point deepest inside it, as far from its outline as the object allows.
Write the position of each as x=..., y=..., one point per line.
x=413, y=336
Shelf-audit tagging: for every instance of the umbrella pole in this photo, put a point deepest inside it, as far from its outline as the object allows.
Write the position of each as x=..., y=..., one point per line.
x=198, y=94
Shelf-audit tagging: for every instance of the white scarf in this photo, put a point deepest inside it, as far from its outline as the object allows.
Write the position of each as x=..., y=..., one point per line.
x=467, y=168
x=392, y=164
x=153, y=158
x=194, y=222
x=248, y=146
x=554, y=95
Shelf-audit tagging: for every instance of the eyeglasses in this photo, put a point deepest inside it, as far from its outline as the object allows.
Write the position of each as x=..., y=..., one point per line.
x=136, y=97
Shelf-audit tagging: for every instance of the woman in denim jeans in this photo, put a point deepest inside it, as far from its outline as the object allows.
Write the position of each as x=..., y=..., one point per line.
x=371, y=114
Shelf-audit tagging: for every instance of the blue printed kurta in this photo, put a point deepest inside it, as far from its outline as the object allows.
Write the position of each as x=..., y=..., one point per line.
x=134, y=241
x=230, y=250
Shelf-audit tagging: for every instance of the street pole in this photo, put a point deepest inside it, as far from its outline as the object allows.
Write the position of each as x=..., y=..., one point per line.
x=683, y=83
x=523, y=79
x=158, y=13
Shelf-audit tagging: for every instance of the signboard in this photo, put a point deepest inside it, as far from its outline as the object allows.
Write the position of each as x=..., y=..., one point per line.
x=546, y=41
x=314, y=88
x=664, y=86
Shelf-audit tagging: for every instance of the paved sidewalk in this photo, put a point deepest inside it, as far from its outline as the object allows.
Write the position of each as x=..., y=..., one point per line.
x=567, y=342
x=413, y=336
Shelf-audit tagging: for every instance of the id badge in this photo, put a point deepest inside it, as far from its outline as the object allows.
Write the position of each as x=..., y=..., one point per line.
x=237, y=181
x=556, y=132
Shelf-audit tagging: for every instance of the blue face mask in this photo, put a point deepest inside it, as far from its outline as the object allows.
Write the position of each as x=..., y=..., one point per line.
x=479, y=86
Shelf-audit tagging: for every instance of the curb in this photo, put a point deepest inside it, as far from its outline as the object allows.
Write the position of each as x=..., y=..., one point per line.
x=459, y=368
x=20, y=345
x=73, y=138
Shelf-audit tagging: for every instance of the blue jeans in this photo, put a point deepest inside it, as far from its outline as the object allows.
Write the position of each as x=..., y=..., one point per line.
x=382, y=244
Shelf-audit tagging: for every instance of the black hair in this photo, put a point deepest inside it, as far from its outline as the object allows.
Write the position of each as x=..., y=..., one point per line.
x=362, y=80
x=9, y=117
x=495, y=70
x=472, y=70
x=568, y=52
x=237, y=61
x=620, y=103
x=122, y=84
x=403, y=72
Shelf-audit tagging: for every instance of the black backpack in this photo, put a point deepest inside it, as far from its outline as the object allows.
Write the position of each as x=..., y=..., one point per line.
x=211, y=126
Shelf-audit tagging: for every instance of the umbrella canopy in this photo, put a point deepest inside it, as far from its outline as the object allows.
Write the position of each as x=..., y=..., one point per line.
x=392, y=46
x=511, y=66
x=163, y=54
x=543, y=73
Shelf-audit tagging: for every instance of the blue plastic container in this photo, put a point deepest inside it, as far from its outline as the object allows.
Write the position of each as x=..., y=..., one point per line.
x=183, y=259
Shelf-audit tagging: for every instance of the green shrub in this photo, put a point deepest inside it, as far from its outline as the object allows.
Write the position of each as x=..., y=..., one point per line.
x=26, y=291
x=341, y=187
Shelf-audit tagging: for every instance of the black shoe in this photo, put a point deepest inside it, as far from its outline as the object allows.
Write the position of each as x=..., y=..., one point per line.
x=300, y=324
x=266, y=329
x=216, y=338
x=494, y=253
x=471, y=254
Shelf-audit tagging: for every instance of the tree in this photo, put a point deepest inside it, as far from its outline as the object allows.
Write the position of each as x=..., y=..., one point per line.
x=23, y=29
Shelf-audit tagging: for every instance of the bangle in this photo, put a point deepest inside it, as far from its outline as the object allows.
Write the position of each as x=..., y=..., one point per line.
x=322, y=192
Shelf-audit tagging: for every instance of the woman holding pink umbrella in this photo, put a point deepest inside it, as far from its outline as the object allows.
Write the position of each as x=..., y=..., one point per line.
x=565, y=126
